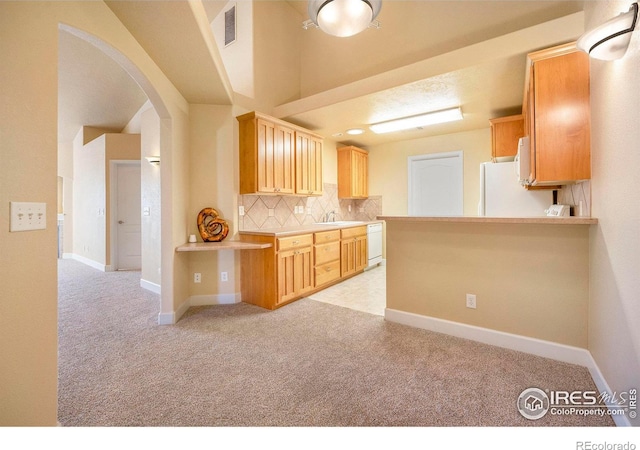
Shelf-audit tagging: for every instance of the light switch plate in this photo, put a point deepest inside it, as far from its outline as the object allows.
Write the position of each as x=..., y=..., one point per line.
x=27, y=216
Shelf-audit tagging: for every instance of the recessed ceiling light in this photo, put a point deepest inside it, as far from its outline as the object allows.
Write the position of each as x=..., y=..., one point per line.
x=355, y=131
x=432, y=118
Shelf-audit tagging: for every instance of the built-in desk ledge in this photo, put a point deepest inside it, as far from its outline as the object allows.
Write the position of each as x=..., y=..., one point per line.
x=224, y=245
x=514, y=220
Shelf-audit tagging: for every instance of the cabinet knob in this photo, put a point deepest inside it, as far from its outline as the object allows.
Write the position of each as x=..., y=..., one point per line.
x=295, y=242
x=328, y=269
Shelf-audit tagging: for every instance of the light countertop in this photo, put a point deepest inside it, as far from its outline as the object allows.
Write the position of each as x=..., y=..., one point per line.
x=499, y=220
x=217, y=246
x=311, y=228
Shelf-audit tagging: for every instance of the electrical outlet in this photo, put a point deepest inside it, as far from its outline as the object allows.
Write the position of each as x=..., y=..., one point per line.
x=272, y=212
x=471, y=301
x=26, y=216
x=224, y=276
x=197, y=277
x=241, y=210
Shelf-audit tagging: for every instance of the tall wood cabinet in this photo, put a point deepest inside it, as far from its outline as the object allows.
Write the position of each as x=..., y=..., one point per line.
x=308, y=164
x=557, y=115
x=353, y=168
x=505, y=133
x=277, y=157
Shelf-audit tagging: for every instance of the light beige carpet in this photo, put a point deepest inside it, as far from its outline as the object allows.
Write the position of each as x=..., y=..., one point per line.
x=306, y=364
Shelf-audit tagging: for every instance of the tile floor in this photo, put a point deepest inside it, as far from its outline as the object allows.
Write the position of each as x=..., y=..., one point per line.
x=365, y=292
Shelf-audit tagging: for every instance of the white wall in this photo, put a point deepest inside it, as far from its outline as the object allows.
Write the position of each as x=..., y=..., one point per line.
x=614, y=334
x=90, y=201
x=237, y=56
x=151, y=199
x=388, y=167
x=146, y=123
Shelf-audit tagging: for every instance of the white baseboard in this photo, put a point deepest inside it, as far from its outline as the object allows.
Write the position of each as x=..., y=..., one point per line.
x=198, y=300
x=89, y=262
x=603, y=386
x=547, y=349
x=67, y=256
x=149, y=286
x=538, y=347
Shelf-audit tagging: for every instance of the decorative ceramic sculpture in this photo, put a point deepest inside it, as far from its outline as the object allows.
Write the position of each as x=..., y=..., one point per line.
x=211, y=227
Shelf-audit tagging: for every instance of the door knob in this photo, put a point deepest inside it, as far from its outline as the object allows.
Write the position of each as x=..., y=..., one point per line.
x=120, y=222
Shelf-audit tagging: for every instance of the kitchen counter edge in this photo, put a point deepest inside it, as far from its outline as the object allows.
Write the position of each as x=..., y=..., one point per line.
x=500, y=220
x=303, y=229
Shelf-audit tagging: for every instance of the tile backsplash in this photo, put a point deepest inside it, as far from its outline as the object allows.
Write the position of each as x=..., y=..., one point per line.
x=574, y=194
x=277, y=211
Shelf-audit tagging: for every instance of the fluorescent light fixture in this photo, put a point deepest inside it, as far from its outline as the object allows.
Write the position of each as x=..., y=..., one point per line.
x=422, y=120
x=355, y=131
x=343, y=18
x=610, y=40
x=155, y=160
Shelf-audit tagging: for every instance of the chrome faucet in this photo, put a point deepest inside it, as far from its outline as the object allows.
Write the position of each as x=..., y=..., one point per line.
x=330, y=217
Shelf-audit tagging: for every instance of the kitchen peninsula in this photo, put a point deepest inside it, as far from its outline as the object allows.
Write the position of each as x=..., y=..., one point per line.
x=530, y=278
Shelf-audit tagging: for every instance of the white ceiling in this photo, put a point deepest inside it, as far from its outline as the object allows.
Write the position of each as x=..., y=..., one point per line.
x=481, y=71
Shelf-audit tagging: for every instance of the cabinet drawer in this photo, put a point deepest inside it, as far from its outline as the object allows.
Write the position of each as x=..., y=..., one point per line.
x=326, y=236
x=327, y=252
x=353, y=232
x=295, y=241
x=327, y=273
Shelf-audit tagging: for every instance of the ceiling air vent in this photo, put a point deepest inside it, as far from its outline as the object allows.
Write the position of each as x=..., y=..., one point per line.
x=230, y=26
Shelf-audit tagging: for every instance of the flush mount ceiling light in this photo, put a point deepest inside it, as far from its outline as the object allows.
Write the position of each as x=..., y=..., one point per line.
x=422, y=120
x=355, y=131
x=610, y=40
x=343, y=18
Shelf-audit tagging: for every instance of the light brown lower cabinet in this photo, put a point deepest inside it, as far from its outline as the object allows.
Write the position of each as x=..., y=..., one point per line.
x=353, y=253
x=327, y=257
x=296, y=266
x=295, y=273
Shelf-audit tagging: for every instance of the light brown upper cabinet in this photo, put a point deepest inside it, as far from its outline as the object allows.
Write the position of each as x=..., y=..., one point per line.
x=353, y=170
x=557, y=115
x=277, y=157
x=505, y=132
x=308, y=164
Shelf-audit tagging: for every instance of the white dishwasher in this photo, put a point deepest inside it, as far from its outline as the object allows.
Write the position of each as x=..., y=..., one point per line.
x=374, y=243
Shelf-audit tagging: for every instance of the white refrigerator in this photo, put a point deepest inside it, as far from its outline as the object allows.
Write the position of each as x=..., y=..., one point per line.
x=501, y=195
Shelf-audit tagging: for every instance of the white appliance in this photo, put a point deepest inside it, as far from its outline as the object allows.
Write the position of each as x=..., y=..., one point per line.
x=501, y=195
x=374, y=243
x=523, y=161
x=559, y=211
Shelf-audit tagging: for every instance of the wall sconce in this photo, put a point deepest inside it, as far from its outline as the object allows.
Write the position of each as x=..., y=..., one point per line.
x=610, y=40
x=155, y=160
x=422, y=120
x=342, y=18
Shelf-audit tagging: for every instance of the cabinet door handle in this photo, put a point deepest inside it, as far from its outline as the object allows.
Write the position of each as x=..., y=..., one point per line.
x=328, y=269
x=295, y=242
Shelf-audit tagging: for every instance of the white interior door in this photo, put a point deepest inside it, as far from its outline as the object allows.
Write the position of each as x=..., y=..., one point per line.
x=436, y=184
x=128, y=224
